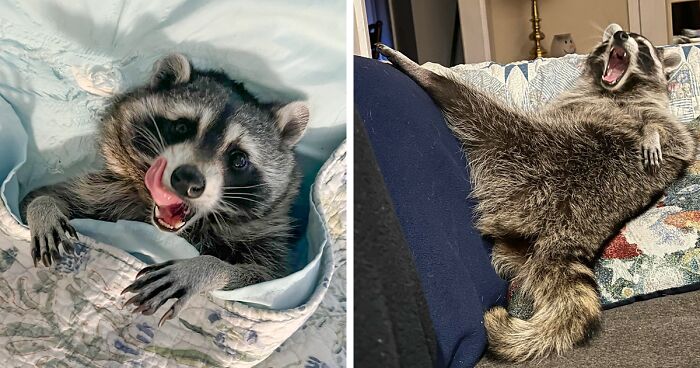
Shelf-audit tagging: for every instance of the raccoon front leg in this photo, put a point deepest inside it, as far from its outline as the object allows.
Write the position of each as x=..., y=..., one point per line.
x=48, y=224
x=651, y=148
x=182, y=279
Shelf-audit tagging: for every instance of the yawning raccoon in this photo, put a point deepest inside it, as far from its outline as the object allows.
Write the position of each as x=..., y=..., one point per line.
x=195, y=154
x=554, y=184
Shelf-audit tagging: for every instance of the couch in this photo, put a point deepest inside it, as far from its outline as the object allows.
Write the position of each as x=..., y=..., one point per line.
x=426, y=271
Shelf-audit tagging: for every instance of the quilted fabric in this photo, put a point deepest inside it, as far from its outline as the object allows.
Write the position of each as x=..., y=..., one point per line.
x=320, y=342
x=657, y=252
x=72, y=315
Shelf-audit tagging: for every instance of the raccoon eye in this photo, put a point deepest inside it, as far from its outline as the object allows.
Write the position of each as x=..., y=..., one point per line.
x=239, y=159
x=181, y=127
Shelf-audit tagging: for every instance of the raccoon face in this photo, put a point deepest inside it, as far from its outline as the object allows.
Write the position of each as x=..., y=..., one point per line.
x=624, y=60
x=200, y=148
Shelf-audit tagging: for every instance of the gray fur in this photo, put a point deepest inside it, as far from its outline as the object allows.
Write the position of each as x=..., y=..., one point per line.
x=242, y=230
x=554, y=185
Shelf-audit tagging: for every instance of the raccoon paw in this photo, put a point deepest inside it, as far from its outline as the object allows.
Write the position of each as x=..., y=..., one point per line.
x=156, y=284
x=49, y=228
x=385, y=50
x=651, y=152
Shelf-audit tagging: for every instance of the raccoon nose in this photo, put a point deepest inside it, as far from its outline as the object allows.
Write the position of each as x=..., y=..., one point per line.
x=188, y=181
x=621, y=36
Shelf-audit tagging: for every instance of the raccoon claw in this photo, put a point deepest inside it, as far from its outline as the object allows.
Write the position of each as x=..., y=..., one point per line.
x=156, y=284
x=652, y=159
x=49, y=229
x=651, y=153
x=384, y=49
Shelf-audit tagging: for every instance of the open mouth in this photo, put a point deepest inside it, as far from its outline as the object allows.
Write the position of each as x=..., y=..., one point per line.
x=171, y=218
x=170, y=212
x=618, y=61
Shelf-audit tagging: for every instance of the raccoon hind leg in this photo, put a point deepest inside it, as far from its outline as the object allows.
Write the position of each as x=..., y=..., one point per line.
x=421, y=75
x=445, y=91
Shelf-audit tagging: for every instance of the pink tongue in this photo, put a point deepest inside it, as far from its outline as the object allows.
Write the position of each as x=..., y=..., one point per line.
x=170, y=207
x=154, y=183
x=615, y=68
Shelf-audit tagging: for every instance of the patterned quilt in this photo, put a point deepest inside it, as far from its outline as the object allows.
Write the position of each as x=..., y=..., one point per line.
x=655, y=253
x=71, y=315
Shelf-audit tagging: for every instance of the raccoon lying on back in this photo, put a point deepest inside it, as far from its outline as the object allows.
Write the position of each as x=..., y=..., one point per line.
x=553, y=185
x=192, y=153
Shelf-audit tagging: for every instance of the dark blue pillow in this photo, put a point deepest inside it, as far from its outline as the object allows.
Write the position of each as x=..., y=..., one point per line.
x=425, y=173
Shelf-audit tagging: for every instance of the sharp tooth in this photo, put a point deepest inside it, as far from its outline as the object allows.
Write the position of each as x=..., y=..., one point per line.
x=165, y=224
x=179, y=225
x=157, y=211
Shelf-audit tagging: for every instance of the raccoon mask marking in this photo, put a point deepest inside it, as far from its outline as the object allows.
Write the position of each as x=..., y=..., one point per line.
x=624, y=60
x=193, y=153
x=201, y=146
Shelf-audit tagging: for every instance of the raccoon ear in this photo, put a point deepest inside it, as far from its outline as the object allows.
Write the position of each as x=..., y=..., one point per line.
x=610, y=30
x=292, y=119
x=171, y=70
x=671, y=60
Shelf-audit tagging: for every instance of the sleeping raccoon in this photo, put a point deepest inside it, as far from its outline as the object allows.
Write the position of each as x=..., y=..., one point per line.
x=194, y=154
x=554, y=185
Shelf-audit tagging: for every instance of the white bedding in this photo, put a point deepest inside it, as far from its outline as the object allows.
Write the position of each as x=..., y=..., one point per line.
x=71, y=315
x=59, y=63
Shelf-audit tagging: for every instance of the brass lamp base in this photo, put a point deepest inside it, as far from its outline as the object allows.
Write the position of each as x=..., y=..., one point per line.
x=537, y=36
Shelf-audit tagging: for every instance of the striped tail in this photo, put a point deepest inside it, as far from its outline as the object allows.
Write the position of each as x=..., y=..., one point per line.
x=566, y=312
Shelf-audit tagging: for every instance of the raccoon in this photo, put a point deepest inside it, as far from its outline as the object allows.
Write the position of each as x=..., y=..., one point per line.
x=193, y=153
x=553, y=185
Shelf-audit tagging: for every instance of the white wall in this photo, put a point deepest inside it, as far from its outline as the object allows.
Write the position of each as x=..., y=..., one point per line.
x=510, y=26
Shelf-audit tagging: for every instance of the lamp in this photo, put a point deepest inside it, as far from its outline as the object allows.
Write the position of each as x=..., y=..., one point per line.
x=537, y=36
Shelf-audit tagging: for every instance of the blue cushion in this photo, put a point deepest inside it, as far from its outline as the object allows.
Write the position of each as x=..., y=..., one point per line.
x=425, y=173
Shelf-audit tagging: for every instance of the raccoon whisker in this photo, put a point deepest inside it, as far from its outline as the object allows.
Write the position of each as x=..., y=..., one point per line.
x=151, y=149
x=219, y=219
x=148, y=135
x=247, y=199
x=227, y=193
x=150, y=141
x=216, y=218
x=160, y=136
x=243, y=196
x=249, y=186
x=228, y=206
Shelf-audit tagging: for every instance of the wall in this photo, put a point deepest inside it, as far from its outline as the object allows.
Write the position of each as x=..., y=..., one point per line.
x=510, y=26
x=434, y=22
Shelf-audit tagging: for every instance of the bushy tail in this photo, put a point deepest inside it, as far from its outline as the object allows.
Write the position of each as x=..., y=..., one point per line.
x=566, y=312
x=474, y=117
